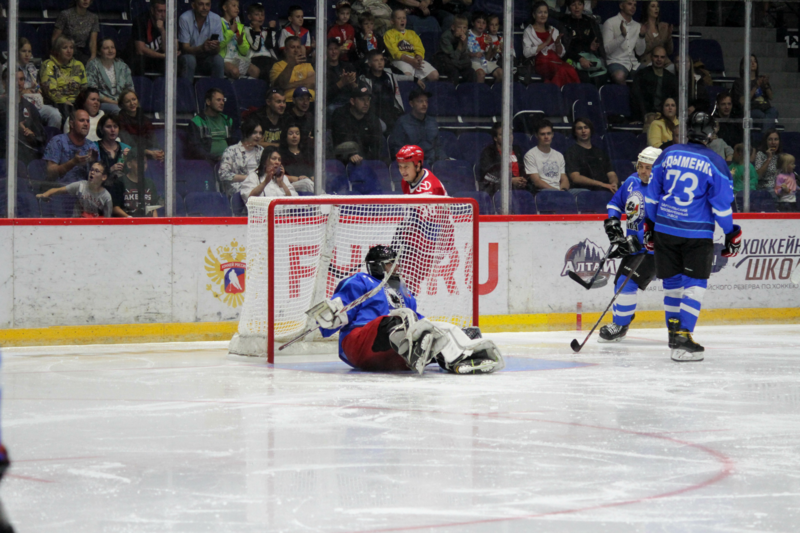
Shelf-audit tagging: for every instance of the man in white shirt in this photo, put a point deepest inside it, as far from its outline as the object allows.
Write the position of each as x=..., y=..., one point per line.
x=624, y=40
x=544, y=166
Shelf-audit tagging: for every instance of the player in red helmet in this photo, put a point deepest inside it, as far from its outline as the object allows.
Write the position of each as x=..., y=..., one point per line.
x=417, y=180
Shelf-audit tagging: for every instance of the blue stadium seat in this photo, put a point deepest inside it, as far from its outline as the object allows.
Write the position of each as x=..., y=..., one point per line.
x=29, y=5
x=231, y=108
x=185, y=98
x=207, y=204
x=606, y=10
x=238, y=207
x=477, y=100
x=447, y=140
x=544, y=97
x=405, y=89
x=336, y=178
x=445, y=101
x=522, y=203
x=469, y=145
x=60, y=206
x=123, y=38
x=107, y=31
x=561, y=142
x=114, y=8
x=430, y=40
x=574, y=92
x=593, y=111
x=485, y=206
x=27, y=205
x=763, y=205
x=556, y=203
x=615, y=100
x=593, y=202
x=790, y=143
x=369, y=177
x=179, y=207
x=524, y=142
x=37, y=169
x=155, y=171
x=250, y=93
x=621, y=145
x=709, y=52
x=623, y=169
x=31, y=32
x=194, y=176
x=455, y=175
x=144, y=91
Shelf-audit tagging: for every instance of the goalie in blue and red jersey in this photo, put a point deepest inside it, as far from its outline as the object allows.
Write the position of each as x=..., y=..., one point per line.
x=385, y=333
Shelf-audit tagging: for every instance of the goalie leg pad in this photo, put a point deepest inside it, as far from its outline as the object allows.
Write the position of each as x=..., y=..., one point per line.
x=458, y=354
x=399, y=336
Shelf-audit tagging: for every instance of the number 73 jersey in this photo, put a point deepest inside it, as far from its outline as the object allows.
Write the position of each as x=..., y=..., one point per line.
x=689, y=190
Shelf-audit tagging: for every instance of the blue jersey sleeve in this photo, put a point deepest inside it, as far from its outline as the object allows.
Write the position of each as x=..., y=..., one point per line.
x=348, y=290
x=655, y=189
x=616, y=207
x=720, y=196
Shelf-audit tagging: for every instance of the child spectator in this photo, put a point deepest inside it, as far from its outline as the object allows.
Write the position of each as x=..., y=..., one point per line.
x=32, y=92
x=492, y=46
x=542, y=44
x=386, y=99
x=263, y=42
x=269, y=179
x=294, y=28
x=454, y=57
x=130, y=183
x=80, y=25
x=545, y=166
x=720, y=146
x=407, y=52
x=737, y=169
x=379, y=10
x=344, y=32
x=786, y=184
x=474, y=38
x=368, y=40
x=110, y=75
x=93, y=199
x=135, y=132
x=62, y=76
x=234, y=48
x=211, y=132
x=242, y=158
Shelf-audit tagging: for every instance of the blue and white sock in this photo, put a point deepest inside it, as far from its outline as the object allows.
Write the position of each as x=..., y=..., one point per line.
x=673, y=294
x=625, y=305
x=693, y=292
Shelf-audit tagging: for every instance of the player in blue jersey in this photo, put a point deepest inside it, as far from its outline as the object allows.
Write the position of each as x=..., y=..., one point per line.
x=629, y=200
x=5, y=525
x=385, y=333
x=690, y=189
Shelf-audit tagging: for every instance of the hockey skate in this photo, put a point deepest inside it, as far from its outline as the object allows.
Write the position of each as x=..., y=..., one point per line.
x=683, y=347
x=612, y=333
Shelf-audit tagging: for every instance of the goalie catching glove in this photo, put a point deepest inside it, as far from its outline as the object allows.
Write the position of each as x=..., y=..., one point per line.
x=328, y=314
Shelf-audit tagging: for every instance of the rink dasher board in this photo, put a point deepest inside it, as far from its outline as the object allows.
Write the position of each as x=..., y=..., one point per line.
x=75, y=272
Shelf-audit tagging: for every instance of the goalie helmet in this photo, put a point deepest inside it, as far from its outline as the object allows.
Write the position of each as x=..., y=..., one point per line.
x=649, y=155
x=701, y=127
x=376, y=258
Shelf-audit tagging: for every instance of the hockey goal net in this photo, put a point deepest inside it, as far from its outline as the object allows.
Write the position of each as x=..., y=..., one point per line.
x=300, y=248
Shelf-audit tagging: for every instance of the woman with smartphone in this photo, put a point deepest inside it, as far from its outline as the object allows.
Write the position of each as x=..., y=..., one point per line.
x=269, y=179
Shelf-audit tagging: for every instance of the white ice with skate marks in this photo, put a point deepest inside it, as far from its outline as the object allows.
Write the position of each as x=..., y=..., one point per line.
x=174, y=437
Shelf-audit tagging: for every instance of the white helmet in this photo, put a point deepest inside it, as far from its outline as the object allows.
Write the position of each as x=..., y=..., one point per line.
x=649, y=155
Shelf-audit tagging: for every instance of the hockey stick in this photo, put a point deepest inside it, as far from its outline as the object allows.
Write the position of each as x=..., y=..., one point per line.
x=577, y=347
x=358, y=301
x=575, y=277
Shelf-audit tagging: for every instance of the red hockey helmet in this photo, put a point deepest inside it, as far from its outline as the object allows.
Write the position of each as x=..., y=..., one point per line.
x=410, y=153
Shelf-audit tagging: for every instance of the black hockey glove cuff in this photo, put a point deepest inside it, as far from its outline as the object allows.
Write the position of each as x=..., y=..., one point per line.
x=733, y=241
x=614, y=231
x=648, y=237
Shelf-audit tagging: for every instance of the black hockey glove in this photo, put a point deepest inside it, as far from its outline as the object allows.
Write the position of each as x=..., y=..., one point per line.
x=630, y=245
x=614, y=230
x=733, y=241
x=649, y=235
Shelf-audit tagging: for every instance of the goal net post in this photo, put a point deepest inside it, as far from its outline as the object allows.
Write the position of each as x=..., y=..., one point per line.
x=300, y=248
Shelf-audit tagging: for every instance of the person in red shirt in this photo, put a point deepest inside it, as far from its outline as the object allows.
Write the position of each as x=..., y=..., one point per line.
x=344, y=32
x=417, y=180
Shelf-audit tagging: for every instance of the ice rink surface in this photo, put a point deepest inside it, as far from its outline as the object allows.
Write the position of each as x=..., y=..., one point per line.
x=177, y=438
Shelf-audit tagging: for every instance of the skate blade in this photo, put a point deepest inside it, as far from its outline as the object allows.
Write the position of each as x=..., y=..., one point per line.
x=682, y=356
x=601, y=340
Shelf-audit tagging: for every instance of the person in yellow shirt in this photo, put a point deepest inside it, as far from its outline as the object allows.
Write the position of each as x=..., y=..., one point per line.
x=661, y=129
x=294, y=71
x=407, y=51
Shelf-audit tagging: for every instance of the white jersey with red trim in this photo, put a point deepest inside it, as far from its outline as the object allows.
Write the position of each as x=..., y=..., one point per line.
x=429, y=184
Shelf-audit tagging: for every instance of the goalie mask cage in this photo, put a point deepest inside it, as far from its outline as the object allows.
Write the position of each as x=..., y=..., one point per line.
x=300, y=248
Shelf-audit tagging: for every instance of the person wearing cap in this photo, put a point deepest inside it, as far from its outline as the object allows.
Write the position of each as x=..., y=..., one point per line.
x=418, y=128
x=386, y=99
x=356, y=130
x=343, y=31
x=340, y=78
x=300, y=112
x=294, y=71
x=271, y=118
x=211, y=132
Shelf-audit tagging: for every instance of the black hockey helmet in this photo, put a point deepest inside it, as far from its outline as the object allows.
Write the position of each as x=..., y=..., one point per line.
x=700, y=127
x=376, y=258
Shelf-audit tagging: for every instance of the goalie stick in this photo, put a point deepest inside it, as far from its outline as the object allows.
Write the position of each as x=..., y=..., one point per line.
x=575, y=277
x=577, y=347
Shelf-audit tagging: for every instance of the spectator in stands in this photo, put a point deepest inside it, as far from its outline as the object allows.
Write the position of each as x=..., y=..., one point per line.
x=89, y=101
x=148, y=37
x=341, y=78
x=417, y=9
x=542, y=43
x=199, y=32
x=446, y=10
x=270, y=117
x=93, y=198
x=699, y=80
x=656, y=34
x=69, y=155
x=80, y=25
x=135, y=129
x=407, y=52
x=211, y=132
x=297, y=156
x=269, y=179
x=719, y=146
x=343, y=32
x=491, y=43
x=545, y=166
x=661, y=128
x=130, y=184
x=587, y=166
x=624, y=39
x=234, y=48
x=474, y=38
x=294, y=71
x=767, y=160
x=583, y=40
x=30, y=135
x=760, y=93
x=242, y=158
x=737, y=169
x=294, y=28
x=368, y=40
x=263, y=41
x=356, y=130
x=418, y=128
x=490, y=165
x=301, y=112
x=112, y=155
x=110, y=75
x=786, y=184
x=31, y=91
x=731, y=132
x=652, y=84
x=453, y=58
x=62, y=76
x=386, y=100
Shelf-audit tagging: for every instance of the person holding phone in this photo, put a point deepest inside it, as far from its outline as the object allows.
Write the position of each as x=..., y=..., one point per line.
x=269, y=179
x=69, y=155
x=198, y=37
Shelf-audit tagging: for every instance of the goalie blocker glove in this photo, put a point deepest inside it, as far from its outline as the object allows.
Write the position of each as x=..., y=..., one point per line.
x=328, y=314
x=733, y=241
